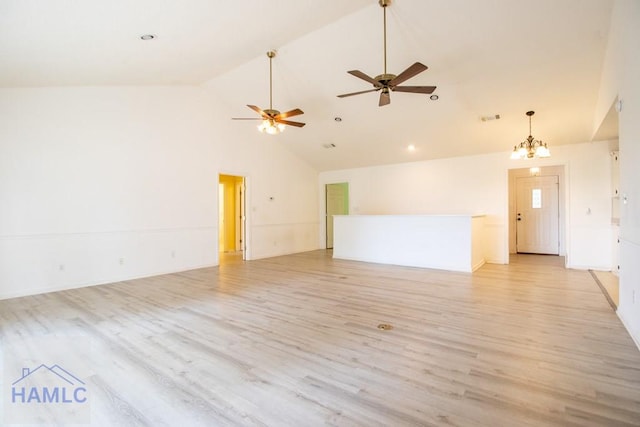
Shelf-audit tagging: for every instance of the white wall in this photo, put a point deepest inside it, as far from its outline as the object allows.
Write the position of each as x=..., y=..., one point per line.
x=446, y=186
x=479, y=185
x=282, y=198
x=589, y=212
x=106, y=184
x=446, y=242
x=620, y=79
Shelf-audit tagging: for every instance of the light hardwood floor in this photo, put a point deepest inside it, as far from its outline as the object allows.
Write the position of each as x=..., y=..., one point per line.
x=609, y=285
x=293, y=341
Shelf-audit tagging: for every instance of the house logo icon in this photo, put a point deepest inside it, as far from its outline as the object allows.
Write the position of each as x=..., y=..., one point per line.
x=46, y=385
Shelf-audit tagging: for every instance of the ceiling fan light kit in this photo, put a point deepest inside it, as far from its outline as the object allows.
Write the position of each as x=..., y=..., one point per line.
x=530, y=147
x=273, y=121
x=271, y=127
x=387, y=82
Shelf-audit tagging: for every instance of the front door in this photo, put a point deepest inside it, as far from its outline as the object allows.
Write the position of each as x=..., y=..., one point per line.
x=537, y=222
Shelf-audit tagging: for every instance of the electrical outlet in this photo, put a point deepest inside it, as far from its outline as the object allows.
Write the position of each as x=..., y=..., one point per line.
x=61, y=267
x=121, y=261
x=173, y=254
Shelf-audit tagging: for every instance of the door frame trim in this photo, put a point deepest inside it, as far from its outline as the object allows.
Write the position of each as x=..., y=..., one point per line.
x=326, y=215
x=322, y=226
x=560, y=169
x=246, y=244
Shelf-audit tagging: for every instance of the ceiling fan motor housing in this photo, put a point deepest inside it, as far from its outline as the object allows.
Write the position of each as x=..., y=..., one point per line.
x=271, y=113
x=384, y=79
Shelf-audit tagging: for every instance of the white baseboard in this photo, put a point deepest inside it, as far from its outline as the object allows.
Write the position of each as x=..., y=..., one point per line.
x=103, y=281
x=636, y=339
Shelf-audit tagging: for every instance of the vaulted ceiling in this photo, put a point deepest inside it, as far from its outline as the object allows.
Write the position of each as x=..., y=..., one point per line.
x=487, y=58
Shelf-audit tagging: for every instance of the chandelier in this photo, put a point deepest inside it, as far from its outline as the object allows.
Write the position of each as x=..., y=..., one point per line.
x=530, y=148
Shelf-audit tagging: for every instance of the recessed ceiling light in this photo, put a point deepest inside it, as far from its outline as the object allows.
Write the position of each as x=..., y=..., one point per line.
x=411, y=147
x=147, y=37
x=434, y=97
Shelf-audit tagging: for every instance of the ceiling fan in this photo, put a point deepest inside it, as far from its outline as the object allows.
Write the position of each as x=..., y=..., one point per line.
x=389, y=82
x=273, y=121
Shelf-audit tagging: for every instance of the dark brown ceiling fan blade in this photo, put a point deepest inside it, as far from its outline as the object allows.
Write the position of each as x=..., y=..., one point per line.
x=413, y=70
x=295, y=112
x=258, y=110
x=359, y=74
x=290, y=123
x=385, y=99
x=358, y=93
x=414, y=89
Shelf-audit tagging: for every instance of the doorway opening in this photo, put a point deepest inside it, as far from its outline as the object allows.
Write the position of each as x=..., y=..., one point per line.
x=232, y=245
x=336, y=203
x=536, y=211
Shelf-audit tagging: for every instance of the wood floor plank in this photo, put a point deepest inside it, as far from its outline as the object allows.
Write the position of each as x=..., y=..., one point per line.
x=293, y=340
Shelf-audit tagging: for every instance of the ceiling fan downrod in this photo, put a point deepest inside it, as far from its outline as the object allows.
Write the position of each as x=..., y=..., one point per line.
x=384, y=4
x=271, y=54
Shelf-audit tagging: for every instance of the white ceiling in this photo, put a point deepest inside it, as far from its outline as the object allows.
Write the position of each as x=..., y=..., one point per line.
x=485, y=57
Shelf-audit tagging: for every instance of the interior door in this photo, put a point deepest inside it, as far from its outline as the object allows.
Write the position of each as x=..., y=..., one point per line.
x=337, y=203
x=537, y=215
